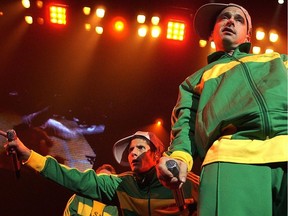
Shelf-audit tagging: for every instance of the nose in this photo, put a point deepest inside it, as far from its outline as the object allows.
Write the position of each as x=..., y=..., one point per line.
x=134, y=152
x=230, y=21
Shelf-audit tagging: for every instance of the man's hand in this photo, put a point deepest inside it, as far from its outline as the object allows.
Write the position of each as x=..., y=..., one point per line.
x=167, y=178
x=22, y=151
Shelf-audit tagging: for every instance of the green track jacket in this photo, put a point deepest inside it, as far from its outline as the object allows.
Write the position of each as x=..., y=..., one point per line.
x=134, y=197
x=236, y=104
x=82, y=206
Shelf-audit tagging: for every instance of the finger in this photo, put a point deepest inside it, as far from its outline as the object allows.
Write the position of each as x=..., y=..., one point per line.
x=163, y=170
x=182, y=172
x=2, y=133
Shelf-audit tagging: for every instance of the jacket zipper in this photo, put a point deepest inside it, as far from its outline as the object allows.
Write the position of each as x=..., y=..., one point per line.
x=258, y=97
x=149, y=205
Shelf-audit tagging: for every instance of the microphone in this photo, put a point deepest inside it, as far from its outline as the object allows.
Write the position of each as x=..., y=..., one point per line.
x=173, y=167
x=11, y=135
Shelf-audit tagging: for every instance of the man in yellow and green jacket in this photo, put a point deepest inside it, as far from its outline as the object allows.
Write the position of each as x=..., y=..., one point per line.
x=232, y=114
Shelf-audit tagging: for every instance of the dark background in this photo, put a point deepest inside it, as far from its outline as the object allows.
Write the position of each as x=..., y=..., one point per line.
x=124, y=83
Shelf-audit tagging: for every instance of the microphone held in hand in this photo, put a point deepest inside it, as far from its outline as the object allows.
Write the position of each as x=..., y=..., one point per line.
x=173, y=167
x=11, y=135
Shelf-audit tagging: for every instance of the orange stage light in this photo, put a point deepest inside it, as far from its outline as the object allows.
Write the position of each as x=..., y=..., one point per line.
x=159, y=122
x=119, y=25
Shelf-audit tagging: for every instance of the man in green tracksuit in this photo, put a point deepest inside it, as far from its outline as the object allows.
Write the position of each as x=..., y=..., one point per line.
x=233, y=115
x=79, y=205
x=137, y=192
x=82, y=206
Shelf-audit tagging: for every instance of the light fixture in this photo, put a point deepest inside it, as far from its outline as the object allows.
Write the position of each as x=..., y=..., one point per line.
x=260, y=34
x=155, y=20
x=86, y=10
x=58, y=14
x=155, y=31
x=26, y=3
x=100, y=12
x=99, y=29
x=202, y=43
x=141, y=18
x=256, y=50
x=273, y=36
x=175, y=30
x=142, y=31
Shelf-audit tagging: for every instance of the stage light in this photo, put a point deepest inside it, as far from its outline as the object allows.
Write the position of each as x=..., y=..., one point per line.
x=118, y=27
x=87, y=26
x=175, y=30
x=58, y=14
x=269, y=50
x=281, y=1
x=273, y=36
x=100, y=12
x=119, y=24
x=260, y=34
x=256, y=50
x=155, y=20
x=141, y=18
x=26, y=4
x=202, y=43
x=155, y=31
x=142, y=31
x=39, y=4
x=99, y=30
x=40, y=20
x=159, y=122
x=86, y=10
x=212, y=45
x=29, y=19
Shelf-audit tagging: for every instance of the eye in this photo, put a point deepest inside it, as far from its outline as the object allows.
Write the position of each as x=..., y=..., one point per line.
x=130, y=150
x=223, y=17
x=142, y=148
x=239, y=19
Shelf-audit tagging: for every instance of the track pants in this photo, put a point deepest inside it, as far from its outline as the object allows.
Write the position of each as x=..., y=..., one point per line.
x=230, y=189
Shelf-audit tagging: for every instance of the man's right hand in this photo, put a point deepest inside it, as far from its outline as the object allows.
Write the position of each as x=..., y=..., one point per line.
x=22, y=151
x=167, y=178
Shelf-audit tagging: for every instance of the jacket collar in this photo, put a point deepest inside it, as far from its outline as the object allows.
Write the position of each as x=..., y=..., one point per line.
x=245, y=47
x=147, y=178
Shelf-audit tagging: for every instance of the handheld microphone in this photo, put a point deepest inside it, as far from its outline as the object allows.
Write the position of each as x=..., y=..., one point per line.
x=173, y=167
x=11, y=135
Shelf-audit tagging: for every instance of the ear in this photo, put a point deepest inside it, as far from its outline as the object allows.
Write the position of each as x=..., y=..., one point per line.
x=156, y=156
x=248, y=37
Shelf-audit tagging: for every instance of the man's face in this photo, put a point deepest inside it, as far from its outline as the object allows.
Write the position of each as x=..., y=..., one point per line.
x=140, y=157
x=230, y=29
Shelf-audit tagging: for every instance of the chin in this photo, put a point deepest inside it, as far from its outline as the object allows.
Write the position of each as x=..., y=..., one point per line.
x=228, y=42
x=135, y=169
x=227, y=39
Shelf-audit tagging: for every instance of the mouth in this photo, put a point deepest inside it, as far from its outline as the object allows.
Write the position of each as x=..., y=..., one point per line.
x=134, y=162
x=228, y=30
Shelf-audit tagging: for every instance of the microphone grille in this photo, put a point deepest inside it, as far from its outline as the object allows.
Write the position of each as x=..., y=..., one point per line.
x=11, y=135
